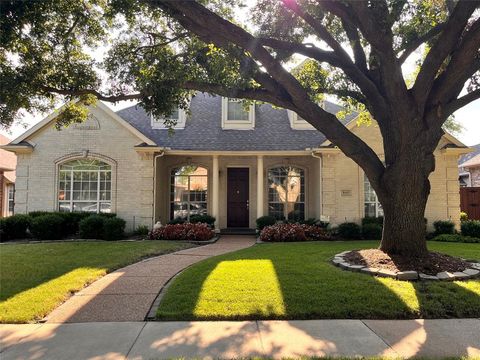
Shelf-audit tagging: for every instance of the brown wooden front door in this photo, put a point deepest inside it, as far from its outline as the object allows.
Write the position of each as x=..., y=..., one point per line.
x=470, y=202
x=237, y=197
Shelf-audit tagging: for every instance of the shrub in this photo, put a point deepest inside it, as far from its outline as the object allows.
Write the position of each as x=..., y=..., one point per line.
x=3, y=236
x=142, y=230
x=177, y=220
x=47, y=227
x=71, y=220
x=283, y=233
x=444, y=227
x=309, y=221
x=113, y=228
x=372, y=220
x=456, y=238
x=372, y=231
x=349, y=230
x=207, y=219
x=15, y=226
x=463, y=216
x=263, y=221
x=471, y=228
x=186, y=231
x=314, y=232
x=91, y=227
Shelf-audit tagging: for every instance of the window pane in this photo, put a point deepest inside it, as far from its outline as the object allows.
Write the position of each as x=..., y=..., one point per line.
x=286, y=193
x=85, y=206
x=236, y=111
x=188, y=196
x=276, y=210
x=370, y=209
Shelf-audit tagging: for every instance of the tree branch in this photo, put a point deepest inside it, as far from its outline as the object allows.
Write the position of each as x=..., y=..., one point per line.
x=456, y=104
x=410, y=47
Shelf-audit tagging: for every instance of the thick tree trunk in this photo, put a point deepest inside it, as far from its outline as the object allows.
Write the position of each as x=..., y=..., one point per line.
x=407, y=188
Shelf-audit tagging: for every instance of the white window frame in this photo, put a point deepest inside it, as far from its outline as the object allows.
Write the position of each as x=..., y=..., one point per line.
x=375, y=202
x=10, y=199
x=237, y=124
x=159, y=123
x=297, y=123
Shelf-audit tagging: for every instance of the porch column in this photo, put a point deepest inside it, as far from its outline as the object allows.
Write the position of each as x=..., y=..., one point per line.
x=215, y=191
x=260, y=185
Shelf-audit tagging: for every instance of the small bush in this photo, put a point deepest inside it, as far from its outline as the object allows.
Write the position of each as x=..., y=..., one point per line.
x=372, y=220
x=444, y=227
x=177, y=220
x=264, y=221
x=463, y=216
x=309, y=221
x=283, y=233
x=91, y=227
x=15, y=227
x=3, y=236
x=113, y=228
x=349, y=231
x=456, y=238
x=47, y=227
x=315, y=232
x=471, y=228
x=372, y=231
x=206, y=219
x=186, y=231
x=142, y=230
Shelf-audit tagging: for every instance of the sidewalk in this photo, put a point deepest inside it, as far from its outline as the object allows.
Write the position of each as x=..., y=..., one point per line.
x=277, y=339
x=128, y=293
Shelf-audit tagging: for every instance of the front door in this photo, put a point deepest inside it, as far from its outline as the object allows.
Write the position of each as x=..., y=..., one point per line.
x=237, y=197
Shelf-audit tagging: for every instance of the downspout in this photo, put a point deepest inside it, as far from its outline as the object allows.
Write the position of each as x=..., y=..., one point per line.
x=155, y=185
x=320, y=165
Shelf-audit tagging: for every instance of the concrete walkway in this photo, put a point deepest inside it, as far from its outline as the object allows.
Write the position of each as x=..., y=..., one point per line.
x=275, y=339
x=128, y=293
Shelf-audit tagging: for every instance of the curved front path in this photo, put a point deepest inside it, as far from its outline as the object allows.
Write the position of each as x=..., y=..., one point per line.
x=128, y=293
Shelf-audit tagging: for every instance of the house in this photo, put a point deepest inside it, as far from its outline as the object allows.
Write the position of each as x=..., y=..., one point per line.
x=234, y=163
x=8, y=162
x=469, y=168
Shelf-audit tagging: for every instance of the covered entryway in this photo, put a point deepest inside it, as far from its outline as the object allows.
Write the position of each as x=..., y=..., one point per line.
x=238, y=207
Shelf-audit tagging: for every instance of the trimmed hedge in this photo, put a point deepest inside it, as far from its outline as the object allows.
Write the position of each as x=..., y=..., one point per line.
x=16, y=226
x=471, y=228
x=372, y=231
x=113, y=228
x=444, y=227
x=372, y=220
x=456, y=238
x=349, y=231
x=91, y=227
x=264, y=221
x=47, y=227
x=206, y=219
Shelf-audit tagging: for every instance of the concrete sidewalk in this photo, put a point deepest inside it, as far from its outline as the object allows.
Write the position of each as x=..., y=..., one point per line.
x=128, y=293
x=276, y=339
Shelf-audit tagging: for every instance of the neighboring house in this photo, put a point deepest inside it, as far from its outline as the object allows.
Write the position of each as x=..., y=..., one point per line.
x=232, y=163
x=470, y=172
x=8, y=162
x=469, y=168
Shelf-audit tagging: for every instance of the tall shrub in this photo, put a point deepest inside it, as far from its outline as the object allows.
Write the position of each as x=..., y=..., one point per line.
x=47, y=227
x=16, y=226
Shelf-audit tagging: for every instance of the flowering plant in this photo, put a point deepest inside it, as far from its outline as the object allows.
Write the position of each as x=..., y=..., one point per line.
x=292, y=232
x=186, y=231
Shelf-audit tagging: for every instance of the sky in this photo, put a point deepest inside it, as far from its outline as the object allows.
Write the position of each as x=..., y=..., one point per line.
x=468, y=117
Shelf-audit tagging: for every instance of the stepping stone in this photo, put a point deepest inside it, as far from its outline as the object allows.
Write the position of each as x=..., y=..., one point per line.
x=337, y=260
x=445, y=275
x=343, y=253
x=369, y=270
x=471, y=272
x=344, y=265
x=355, y=267
x=427, y=277
x=475, y=266
x=460, y=275
x=386, y=273
x=407, y=275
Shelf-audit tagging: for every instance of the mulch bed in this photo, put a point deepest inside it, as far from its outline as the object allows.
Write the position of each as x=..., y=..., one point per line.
x=431, y=264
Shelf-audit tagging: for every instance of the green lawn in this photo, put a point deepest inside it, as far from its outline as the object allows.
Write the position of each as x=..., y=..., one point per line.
x=36, y=278
x=297, y=281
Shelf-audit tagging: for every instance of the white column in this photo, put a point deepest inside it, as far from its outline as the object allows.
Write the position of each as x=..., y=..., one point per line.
x=260, y=186
x=215, y=190
x=320, y=188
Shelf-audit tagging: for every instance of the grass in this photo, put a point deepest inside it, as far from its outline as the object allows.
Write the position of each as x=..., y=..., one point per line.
x=36, y=278
x=297, y=281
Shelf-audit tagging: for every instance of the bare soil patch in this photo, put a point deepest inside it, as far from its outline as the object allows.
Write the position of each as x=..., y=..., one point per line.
x=431, y=264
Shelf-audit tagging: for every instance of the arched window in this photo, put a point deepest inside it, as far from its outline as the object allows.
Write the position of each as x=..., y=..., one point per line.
x=85, y=185
x=188, y=194
x=373, y=208
x=286, y=193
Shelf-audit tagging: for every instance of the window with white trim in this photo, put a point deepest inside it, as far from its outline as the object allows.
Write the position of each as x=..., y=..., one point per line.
x=299, y=123
x=236, y=116
x=286, y=193
x=85, y=185
x=188, y=193
x=373, y=208
x=10, y=199
x=177, y=117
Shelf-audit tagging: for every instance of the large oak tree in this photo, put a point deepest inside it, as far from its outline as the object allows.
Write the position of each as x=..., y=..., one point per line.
x=159, y=52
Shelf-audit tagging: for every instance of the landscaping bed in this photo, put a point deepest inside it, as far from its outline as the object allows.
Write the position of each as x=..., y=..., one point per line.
x=298, y=281
x=36, y=278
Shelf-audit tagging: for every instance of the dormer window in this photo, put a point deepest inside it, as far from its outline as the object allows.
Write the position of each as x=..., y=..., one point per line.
x=298, y=123
x=236, y=116
x=178, y=116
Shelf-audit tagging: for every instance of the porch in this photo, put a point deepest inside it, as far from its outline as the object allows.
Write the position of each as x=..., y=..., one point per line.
x=237, y=187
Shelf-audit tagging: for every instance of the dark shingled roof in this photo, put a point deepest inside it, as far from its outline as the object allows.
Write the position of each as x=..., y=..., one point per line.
x=203, y=129
x=466, y=157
